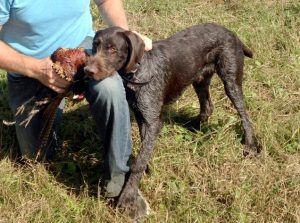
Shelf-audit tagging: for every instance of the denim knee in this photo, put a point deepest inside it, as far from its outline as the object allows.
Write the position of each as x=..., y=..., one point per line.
x=110, y=110
x=106, y=92
x=20, y=90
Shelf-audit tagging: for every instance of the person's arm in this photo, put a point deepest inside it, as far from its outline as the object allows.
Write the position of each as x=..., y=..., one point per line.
x=113, y=14
x=40, y=69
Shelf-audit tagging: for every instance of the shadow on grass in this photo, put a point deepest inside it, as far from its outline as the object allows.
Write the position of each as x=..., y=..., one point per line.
x=186, y=118
x=78, y=162
x=189, y=119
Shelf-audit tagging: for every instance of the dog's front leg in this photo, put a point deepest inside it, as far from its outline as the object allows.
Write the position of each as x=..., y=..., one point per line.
x=149, y=132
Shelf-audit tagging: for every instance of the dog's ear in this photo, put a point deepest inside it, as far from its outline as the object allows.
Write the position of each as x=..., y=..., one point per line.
x=136, y=49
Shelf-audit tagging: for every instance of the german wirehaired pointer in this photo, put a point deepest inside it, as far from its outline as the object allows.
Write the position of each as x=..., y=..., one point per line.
x=158, y=77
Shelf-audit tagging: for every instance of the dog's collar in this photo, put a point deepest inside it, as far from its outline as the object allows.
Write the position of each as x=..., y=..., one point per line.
x=131, y=80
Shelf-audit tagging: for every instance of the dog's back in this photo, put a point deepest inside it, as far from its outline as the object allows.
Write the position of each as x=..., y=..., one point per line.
x=200, y=45
x=178, y=60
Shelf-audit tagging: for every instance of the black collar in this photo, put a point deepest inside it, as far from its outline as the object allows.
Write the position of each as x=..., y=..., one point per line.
x=131, y=79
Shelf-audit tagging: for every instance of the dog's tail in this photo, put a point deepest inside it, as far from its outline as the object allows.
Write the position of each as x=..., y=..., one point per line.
x=247, y=51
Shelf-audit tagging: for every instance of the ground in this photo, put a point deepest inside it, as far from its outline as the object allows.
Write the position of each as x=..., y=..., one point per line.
x=194, y=176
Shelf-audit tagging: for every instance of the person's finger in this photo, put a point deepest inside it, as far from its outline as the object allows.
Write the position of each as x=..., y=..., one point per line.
x=147, y=41
x=60, y=82
x=56, y=89
x=148, y=44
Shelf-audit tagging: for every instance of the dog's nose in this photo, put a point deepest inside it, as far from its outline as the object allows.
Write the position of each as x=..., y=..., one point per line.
x=90, y=71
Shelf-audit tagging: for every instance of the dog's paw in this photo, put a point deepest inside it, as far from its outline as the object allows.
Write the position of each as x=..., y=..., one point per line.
x=127, y=199
x=252, y=150
x=135, y=205
x=127, y=202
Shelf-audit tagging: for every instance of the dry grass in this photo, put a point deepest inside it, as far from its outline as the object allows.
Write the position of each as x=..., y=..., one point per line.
x=194, y=176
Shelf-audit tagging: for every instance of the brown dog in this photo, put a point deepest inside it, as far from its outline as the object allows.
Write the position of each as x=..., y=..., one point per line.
x=158, y=77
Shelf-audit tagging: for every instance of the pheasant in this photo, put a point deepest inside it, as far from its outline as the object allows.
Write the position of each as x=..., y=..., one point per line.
x=68, y=64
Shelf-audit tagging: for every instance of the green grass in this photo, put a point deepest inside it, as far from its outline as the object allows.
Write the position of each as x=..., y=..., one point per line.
x=194, y=176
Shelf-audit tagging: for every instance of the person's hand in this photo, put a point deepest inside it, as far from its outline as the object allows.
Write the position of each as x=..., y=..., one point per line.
x=147, y=41
x=48, y=77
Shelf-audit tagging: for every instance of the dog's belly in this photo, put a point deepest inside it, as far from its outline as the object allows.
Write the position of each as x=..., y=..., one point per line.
x=174, y=88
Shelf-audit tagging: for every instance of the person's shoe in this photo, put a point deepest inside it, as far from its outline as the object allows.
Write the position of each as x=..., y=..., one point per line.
x=114, y=186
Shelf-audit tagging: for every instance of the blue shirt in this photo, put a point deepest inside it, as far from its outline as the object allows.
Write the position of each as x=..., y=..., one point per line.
x=38, y=27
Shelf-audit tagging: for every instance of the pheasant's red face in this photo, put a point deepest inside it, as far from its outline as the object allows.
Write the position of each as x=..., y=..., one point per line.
x=69, y=63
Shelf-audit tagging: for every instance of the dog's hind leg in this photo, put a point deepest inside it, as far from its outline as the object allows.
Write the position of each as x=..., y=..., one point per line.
x=230, y=70
x=201, y=86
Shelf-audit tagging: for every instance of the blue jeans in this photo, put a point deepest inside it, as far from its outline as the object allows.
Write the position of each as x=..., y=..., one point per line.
x=109, y=109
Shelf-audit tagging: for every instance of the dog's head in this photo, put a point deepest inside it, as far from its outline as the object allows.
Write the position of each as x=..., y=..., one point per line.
x=114, y=49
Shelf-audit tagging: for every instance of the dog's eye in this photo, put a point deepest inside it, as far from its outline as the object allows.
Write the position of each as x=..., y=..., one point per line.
x=96, y=42
x=95, y=45
x=111, y=49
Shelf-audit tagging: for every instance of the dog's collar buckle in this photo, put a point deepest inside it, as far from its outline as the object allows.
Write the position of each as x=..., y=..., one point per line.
x=132, y=82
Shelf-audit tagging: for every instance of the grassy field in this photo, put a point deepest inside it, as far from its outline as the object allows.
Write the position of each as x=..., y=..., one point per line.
x=194, y=176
